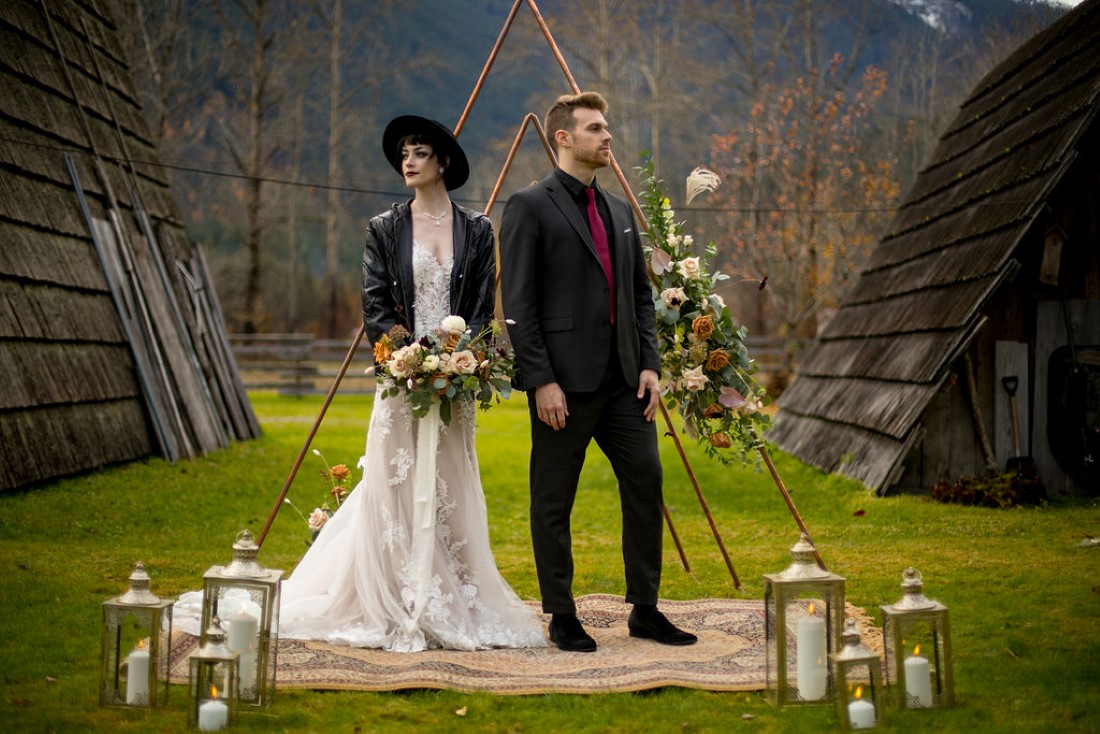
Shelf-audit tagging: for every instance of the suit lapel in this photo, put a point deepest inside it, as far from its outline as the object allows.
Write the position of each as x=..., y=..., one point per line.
x=619, y=242
x=565, y=204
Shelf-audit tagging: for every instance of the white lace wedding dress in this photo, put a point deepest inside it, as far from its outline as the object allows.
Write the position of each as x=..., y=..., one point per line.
x=382, y=575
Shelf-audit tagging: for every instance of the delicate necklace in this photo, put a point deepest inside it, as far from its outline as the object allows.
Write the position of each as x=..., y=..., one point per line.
x=437, y=218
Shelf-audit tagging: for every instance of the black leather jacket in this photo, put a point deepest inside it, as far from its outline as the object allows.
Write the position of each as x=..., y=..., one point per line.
x=388, y=288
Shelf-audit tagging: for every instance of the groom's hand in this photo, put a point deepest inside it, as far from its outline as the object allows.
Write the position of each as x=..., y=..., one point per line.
x=648, y=380
x=550, y=405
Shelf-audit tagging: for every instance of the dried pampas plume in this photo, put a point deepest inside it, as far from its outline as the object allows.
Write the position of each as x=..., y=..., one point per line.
x=701, y=180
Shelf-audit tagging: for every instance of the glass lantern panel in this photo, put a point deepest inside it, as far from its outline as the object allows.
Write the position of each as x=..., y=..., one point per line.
x=803, y=621
x=917, y=658
x=135, y=655
x=214, y=687
x=249, y=611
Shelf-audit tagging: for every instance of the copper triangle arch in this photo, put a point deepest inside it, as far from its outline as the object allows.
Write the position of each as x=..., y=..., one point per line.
x=527, y=121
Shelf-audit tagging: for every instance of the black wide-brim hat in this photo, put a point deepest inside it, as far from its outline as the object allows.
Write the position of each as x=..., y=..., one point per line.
x=445, y=145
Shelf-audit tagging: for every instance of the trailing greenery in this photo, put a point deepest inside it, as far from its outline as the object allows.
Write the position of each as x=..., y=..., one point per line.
x=1025, y=615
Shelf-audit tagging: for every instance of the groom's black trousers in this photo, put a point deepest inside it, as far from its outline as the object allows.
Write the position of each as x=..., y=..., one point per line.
x=613, y=416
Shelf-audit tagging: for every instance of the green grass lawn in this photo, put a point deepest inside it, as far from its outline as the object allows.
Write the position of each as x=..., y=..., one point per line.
x=1024, y=597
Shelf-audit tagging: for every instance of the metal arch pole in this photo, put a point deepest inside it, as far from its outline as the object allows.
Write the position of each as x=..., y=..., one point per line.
x=786, y=496
x=488, y=65
x=312, y=432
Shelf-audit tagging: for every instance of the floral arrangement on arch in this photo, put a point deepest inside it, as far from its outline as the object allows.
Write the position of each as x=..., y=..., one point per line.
x=336, y=480
x=706, y=371
x=449, y=364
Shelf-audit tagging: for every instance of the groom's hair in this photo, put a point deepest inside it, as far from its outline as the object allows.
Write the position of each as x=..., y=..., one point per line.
x=560, y=115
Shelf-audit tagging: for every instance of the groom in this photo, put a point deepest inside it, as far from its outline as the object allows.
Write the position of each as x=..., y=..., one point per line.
x=581, y=320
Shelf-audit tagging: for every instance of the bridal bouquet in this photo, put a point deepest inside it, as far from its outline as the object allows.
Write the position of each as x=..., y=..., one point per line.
x=447, y=365
x=706, y=371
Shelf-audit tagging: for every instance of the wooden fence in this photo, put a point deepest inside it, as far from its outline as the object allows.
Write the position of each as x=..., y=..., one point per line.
x=299, y=364
x=302, y=364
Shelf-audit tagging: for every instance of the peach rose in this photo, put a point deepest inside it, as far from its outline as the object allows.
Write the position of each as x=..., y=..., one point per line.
x=689, y=268
x=317, y=519
x=464, y=362
x=694, y=380
x=404, y=360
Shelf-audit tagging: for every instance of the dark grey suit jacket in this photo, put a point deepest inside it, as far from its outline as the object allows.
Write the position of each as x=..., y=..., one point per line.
x=553, y=288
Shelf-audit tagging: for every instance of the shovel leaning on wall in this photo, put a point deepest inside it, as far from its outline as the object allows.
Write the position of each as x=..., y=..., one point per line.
x=1016, y=462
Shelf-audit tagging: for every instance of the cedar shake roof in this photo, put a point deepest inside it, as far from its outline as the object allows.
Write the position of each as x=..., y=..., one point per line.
x=856, y=405
x=109, y=351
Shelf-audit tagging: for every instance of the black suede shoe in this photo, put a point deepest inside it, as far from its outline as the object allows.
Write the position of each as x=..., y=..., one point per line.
x=567, y=633
x=652, y=625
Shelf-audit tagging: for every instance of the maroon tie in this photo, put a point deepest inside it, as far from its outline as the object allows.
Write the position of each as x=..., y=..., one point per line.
x=599, y=238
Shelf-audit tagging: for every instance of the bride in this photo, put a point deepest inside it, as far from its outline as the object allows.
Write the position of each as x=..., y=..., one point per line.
x=380, y=574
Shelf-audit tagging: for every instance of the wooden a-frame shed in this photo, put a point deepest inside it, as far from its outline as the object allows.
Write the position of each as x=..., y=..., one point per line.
x=112, y=345
x=988, y=277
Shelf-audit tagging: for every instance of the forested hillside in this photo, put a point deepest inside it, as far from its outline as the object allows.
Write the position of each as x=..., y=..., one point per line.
x=817, y=115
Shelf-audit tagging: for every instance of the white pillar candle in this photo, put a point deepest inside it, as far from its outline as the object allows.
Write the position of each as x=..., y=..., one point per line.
x=861, y=714
x=137, y=676
x=247, y=669
x=918, y=681
x=213, y=716
x=810, y=651
x=242, y=631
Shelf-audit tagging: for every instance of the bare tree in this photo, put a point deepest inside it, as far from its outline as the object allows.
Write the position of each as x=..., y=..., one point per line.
x=372, y=65
x=167, y=60
x=255, y=87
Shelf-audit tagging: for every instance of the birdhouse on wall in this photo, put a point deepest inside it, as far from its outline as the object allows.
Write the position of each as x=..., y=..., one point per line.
x=1053, y=241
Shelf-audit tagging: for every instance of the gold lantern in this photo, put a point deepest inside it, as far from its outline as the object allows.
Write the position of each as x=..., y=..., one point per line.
x=917, y=642
x=137, y=630
x=245, y=596
x=212, y=681
x=857, y=676
x=803, y=610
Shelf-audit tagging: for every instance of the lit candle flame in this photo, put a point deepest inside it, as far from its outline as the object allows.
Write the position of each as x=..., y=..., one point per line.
x=916, y=650
x=214, y=692
x=141, y=644
x=810, y=610
x=859, y=692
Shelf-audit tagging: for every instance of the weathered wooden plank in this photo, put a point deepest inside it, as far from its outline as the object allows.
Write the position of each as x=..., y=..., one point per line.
x=50, y=258
x=889, y=408
x=1019, y=153
x=53, y=373
x=916, y=357
x=922, y=229
x=962, y=262
x=862, y=455
x=45, y=312
x=1019, y=78
x=44, y=443
x=932, y=309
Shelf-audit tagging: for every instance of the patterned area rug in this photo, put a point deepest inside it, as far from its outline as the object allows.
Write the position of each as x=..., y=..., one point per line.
x=728, y=657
